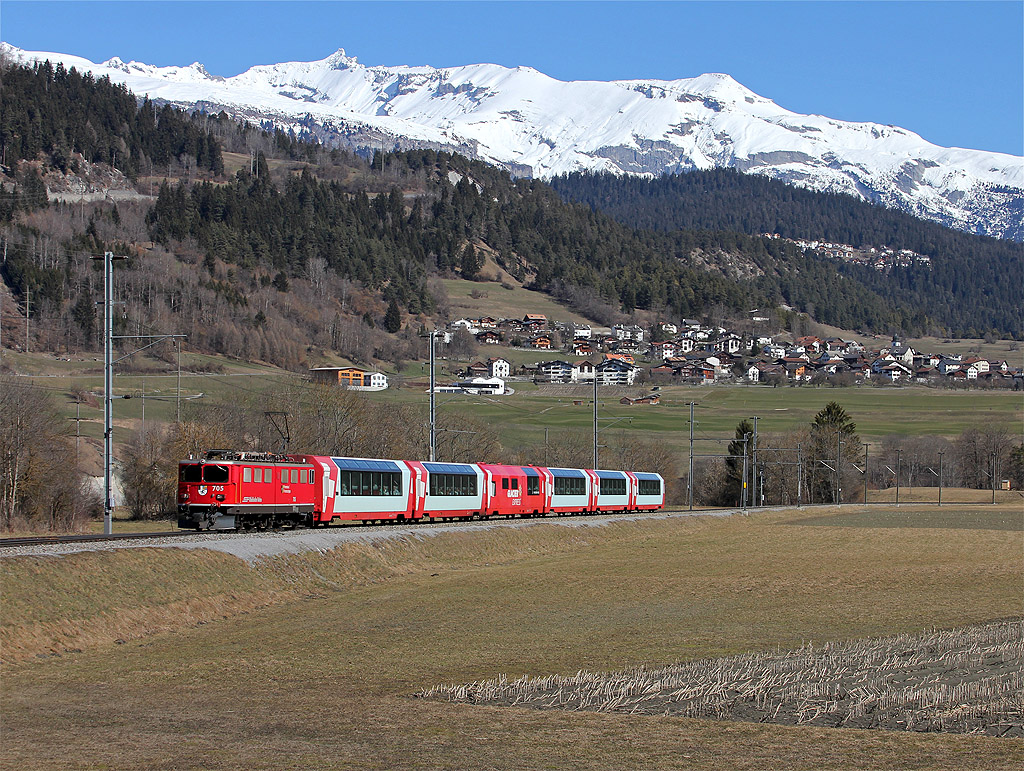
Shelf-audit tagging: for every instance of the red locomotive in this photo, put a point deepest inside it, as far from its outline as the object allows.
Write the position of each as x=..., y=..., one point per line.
x=242, y=490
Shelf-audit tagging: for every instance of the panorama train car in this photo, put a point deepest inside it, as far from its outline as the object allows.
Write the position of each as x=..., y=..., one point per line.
x=242, y=490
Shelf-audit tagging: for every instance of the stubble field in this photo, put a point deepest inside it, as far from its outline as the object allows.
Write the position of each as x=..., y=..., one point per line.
x=161, y=658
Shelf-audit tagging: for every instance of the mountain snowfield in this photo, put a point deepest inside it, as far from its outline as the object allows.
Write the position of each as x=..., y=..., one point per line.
x=534, y=125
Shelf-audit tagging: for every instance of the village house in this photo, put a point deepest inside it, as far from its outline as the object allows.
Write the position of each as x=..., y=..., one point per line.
x=583, y=371
x=498, y=367
x=628, y=332
x=615, y=372
x=488, y=337
x=554, y=371
x=352, y=378
x=535, y=321
x=540, y=343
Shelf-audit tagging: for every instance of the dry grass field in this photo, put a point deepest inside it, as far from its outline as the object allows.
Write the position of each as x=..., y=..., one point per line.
x=173, y=659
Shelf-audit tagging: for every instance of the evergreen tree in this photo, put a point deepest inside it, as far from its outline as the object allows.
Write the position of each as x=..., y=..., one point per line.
x=393, y=318
x=739, y=449
x=469, y=264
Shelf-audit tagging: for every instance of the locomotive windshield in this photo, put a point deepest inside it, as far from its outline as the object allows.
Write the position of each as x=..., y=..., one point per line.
x=192, y=473
x=215, y=474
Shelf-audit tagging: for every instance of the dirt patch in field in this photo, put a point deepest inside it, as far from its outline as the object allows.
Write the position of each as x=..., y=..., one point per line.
x=968, y=680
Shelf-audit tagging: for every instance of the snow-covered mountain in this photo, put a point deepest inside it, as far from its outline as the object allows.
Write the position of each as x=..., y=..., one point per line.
x=535, y=125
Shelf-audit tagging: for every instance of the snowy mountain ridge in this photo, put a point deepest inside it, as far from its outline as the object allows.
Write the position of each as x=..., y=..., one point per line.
x=534, y=125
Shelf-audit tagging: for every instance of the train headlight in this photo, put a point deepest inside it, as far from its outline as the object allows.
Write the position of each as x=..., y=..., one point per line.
x=219, y=497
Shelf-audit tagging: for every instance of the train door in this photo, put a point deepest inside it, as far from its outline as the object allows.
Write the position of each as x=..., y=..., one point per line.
x=631, y=487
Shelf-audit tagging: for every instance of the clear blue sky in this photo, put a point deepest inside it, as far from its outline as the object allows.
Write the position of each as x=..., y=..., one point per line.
x=951, y=71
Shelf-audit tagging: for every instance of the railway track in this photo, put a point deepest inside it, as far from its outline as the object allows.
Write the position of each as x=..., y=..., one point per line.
x=44, y=540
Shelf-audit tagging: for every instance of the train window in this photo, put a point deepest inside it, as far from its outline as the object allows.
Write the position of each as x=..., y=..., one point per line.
x=366, y=482
x=247, y=474
x=650, y=487
x=192, y=473
x=504, y=483
x=533, y=485
x=613, y=487
x=257, y=475
x=453, y=484
x=515, y=484
x=215, y=474
x=570, y=486
x=295, y=476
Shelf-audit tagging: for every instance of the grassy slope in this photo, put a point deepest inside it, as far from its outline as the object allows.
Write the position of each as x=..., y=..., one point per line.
x=324, y=679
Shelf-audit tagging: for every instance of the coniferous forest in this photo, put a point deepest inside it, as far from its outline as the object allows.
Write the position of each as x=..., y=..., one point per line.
x=296, y=246
x=972, y=288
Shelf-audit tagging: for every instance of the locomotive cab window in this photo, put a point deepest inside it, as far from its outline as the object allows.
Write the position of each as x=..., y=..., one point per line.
x=215, y=474
x=193, y=473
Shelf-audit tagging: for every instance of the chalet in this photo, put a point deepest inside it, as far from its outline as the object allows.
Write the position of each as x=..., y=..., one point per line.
x=615, y=372
x=774, y=351
x=487, y=322
x=667, y=328
x=628, y=332
x=540, y=343
x=766, y=370
x=498, y=367
x=684, y=344
x=728, y=344
x=477, y=369
x=579, y=331
x=583, y=371
x=663, y=350
x=623, y=357
x=352, y=378
x=582, y=348
x=697, y=372
x=796, y=368
x=488, y=337
x=535, y=321
x=810, y=343
x=948, y=365
x=555, y=371
x=977, y=362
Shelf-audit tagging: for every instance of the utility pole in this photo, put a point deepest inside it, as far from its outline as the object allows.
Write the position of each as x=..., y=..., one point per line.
x=754, y=491
x=799, y=476
x=940, y=477
x=108, y=371
x=433, y=424
x=177, y=398
x=839, y=469
x=993, y=465
x=898, y=459
x=742, y=497
x=689, y=479
x=596, y=464
x=28, y=305
x=865, y=472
